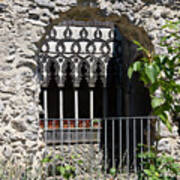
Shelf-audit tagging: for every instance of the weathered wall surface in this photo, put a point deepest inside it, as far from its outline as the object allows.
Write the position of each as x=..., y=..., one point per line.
x=22, y=23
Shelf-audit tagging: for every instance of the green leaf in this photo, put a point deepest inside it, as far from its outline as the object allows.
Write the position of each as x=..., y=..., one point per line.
x=113, y=171
x=137, y=66
x=140, y=47
x=149, y=70
x=130, y=72
x=152, y=167
x=59, y=157
x=73, y=157
x=46, y=160
x=153, y=88
x=165, y=38
x=80, y=161
x=177, y=108
x=148, y=172
x=61, y=169
x=68, y=167
x=137, y=43
x=157, y=101
x=162, y=58
x=164, y=118
x=172, y=26
x=156, y=174
x=152, y=72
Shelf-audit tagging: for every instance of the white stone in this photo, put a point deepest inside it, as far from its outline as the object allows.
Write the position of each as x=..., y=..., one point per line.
x=35, y=22
x=45, y=3
x=7, y=151
x=18, y=125
x=10, y=58
x=157, y=14
x=1, y=107
x=66, y=2
x=164, y=145
x=31, y=136
x=119, y=5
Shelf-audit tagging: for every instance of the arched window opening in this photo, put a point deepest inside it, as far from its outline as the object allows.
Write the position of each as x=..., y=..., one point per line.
x=86, y=93
x=74, y=68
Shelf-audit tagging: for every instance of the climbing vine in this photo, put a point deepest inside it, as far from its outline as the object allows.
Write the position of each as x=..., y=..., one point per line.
x=160, y=72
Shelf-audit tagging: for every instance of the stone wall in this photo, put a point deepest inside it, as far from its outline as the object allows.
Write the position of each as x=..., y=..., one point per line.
x=22, y=24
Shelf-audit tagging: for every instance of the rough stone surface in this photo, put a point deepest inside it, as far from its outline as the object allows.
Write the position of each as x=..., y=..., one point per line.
x=7, y=151
x=22, y=23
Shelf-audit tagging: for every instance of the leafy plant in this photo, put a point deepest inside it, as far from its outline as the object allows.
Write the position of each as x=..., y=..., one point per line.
x=66, y=171
x=96, y=120
x=62, y=168
x=113, y=171
x=158, y=167
x=159, y=73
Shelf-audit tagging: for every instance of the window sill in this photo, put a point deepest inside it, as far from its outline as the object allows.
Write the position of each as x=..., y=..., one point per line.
x=76, y=135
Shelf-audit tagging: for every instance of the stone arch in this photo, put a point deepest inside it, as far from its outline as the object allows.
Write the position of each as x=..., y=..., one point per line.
x=78, y=13
x=128, y=31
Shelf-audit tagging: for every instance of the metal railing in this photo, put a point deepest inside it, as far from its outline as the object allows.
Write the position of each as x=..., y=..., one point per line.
x=111, y=142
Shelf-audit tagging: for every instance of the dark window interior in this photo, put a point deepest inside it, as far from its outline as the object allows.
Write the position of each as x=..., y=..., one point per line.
x=68, y=92
x=53, y=96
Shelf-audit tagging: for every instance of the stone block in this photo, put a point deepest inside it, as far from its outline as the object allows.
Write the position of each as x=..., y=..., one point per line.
x=7, y=151
x=19, y=125
x=45, y=3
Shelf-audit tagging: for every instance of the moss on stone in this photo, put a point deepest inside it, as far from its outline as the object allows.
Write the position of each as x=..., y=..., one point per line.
x=80, y=13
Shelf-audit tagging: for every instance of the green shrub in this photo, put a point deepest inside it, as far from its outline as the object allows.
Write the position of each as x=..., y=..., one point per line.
x=58, y=166
x=158, y=167
x=159, y=72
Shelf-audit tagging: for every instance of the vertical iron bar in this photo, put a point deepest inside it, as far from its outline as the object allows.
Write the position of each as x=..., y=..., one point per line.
x=105, y=126
x=113, y=141
x=76, y=106
x=120, y=145
x=99, y=131
x=84, y=130
x=69, y=139
x=91, y=106
x=61, y=115
x=91, y=111
x=53, y=130
x=76, y=121
x=149, y=133
x=142, y=142
x=127, y=143
x=61, y=108
x=105, y=145
x=98, y=143
x=45, y=113
x=92, y=149
x=134, y=145
x=46, y=120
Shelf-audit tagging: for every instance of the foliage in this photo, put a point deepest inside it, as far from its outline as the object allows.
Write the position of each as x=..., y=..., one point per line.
x=159, y=74
x=158, y=167
x=113, y=171
x=64, y=169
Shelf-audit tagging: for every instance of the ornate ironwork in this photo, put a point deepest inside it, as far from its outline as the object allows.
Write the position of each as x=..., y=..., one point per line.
x=79, y=43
